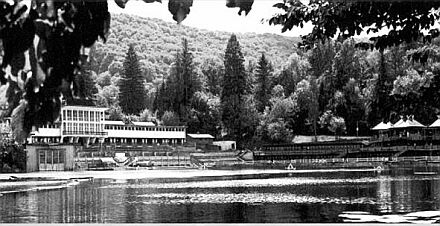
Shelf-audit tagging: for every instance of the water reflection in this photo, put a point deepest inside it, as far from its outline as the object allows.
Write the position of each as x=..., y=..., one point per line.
x=264, y=200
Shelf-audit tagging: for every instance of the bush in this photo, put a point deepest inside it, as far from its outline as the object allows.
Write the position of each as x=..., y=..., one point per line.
x=12, y=158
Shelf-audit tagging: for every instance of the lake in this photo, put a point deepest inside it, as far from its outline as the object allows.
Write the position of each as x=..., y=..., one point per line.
x=251, y=198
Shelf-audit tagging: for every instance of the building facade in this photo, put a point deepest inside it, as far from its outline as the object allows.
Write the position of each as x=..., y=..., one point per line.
x=86, y=125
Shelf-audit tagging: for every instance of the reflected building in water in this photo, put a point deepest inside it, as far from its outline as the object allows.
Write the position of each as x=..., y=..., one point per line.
x=403, y=195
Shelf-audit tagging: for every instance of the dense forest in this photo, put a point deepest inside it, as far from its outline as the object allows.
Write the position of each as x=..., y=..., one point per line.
x=156, y=43
x=269, y=91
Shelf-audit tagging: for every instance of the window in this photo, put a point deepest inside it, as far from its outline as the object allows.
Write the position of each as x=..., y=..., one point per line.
x=75, y=127
x=80, y=115
x=81, y=128
x=69, y=115
x=61, y=156
x=75, y=116
x=64, y=115
x=86, y=116
x=55, y=155
x=92, y=116
x=86, y=127
x=42, y=155
x=49, y=156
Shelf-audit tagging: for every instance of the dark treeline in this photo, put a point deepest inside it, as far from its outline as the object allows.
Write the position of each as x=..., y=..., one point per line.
x=335, y=88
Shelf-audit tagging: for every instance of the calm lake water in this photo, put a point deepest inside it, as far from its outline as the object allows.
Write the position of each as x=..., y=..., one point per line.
x=258, y=198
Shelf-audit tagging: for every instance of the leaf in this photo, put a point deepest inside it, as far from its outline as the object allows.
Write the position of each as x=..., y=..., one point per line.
x=244, y=5
x=151, y=1
x=180, y=9
x=121, y=3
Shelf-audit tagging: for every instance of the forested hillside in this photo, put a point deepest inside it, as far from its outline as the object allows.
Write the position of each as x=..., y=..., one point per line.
x=156, y=43
x=261, y=88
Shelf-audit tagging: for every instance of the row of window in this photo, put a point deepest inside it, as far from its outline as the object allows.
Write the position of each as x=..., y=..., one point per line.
x=312, y=147
x=51, y=126
x=92, y=127
x=89, y=116
x=150, y=128
x=51, y=156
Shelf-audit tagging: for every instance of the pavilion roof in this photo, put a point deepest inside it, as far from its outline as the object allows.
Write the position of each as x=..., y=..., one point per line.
x=409, y=123
x=436, y=123
x=382, y=126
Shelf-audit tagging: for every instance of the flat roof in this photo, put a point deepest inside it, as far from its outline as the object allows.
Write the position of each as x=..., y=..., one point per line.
x=117, y=123
x=82, y=107
x=201, y=136
x=149, y=124
x=143, y=123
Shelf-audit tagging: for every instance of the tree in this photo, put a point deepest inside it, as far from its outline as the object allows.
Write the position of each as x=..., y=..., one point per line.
x=302, y=97
x=234, y=89
x=405, y=20
x=146, y=115
x=108, y=96
x=213, y=73
x=262, y=89
x=295, y=70
x=170, y=118
x=85, y=82
x=314, y=105
x=131, y=86
x=276, y=121
x=162, y=100
x=321, y=58
x=115, y=113
x=176, y=93
x=184, y=81
x=346, y=64
x=333, y=123
x=204, y=114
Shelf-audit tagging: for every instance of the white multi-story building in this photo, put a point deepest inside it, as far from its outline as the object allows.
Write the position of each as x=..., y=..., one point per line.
x=87, y=125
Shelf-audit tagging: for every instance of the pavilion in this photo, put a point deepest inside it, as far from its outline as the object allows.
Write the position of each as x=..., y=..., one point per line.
x=382, y=129
x=434, y=129
x=409, y=128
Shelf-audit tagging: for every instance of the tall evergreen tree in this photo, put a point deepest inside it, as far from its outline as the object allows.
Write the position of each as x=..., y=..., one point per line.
x=234, y=89
x=176, y=93
x=186, y=81
x=131, y=86
x=262, y=89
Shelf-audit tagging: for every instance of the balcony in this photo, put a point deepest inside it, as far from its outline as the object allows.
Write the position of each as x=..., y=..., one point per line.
x=84, y=133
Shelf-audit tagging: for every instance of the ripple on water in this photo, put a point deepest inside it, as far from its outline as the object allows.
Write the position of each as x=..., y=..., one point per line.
x=421, y=217
x=271, y=182
x=250, y=198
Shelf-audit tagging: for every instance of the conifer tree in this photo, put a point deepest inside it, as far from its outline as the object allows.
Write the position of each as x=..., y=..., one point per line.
x=180, y=85
x=262, y=89
x=234, y=88
x=131, y=86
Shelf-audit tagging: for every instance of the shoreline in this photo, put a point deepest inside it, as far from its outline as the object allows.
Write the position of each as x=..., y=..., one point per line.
x=166, y=173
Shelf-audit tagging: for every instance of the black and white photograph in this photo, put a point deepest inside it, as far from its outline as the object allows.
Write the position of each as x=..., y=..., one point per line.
x=219, y=111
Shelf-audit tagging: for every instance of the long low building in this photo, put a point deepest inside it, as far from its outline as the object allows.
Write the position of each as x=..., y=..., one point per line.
x=87, y=125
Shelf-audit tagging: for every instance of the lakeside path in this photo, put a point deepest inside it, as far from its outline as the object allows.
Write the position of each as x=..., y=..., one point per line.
x=163, y=173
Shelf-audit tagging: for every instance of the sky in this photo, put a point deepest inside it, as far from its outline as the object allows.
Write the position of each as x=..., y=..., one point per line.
x=214, y=15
